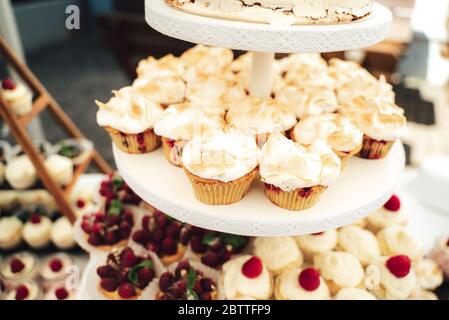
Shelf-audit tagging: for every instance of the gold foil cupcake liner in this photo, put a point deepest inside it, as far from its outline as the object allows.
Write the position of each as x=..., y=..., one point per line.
x=296, y=200
x=215, y=192
x=144, y=142
x=374, y=149
x=173, y=150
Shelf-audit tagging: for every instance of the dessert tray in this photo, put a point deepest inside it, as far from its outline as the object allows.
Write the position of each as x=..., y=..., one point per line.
x=363, y=187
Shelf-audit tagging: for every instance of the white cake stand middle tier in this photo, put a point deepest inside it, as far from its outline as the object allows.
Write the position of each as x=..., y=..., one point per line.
x=363, y=187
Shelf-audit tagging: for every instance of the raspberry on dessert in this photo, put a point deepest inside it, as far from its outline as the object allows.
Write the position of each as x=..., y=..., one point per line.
x=112, y=237
x=8, y=84
x=399, y=265
x=182, y=268
x=169, y=246
x=145, y=275
x=166, y=280
x=197, y=245
x=309, y=279
x=86, y=226
x=61, y=293
x=56, y=265
x=207, y=284
x=128, y=257
x=98, y=227
x=16, y=265
x=173, y=230
x=394, y=204
x=95, y=239
x=35, y=219
x=211, y=259
x=146, y=222
x=22, y=292
x=158, y=235
x=80, y=204
x=252, y=268
x=124, y=229
x=154, y=247
x=109, y=284
x=126, y=290
x=141, y=237
x=106, y=272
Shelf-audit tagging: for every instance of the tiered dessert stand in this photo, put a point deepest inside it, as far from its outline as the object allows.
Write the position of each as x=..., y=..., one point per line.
x=363, y=187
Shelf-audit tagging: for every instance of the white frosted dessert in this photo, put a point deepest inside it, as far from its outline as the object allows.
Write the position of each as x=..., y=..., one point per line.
x=37, y=231
x=85, y=200
x=344, y=72
x=278, y=253
x=298, y=284
x=397, y=280
x=429, y=274
x=279, y=11
x=60, y=168
x=246, y=276
x=390, y=214
x=168, y=66
x=62, y=234
x=340, y=270
x=164, y=91
x=422, y=294
x=20, y=172
x=440, y=253
x=54, y=268
x=31, y=198
x=368, y=88
x=354, y=294
x=60, y=292
x=22, y=265
x=397, y=240
x=361, y=243
x=10, y=232
x=297, y=63
x=312, y=244
x=18, y=97
x=28, y=290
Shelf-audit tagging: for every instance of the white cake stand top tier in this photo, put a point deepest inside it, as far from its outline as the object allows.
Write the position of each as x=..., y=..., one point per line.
x=268, y=38
x=363, y=187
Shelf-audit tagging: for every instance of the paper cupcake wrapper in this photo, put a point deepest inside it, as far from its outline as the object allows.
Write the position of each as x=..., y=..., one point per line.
x=135, y=143
x=173, y=153
x=297, y=200
x=344, y=157
x=374, y=149
x=216, y=192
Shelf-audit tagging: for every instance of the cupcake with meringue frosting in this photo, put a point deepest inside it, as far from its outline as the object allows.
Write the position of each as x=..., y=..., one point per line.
x=361, y=243
x=340, y=270
x=179, y=123
x=344, y=72
x=367, y=87
x=397, y=280
x=390, y=214
x=163, y=91
x=221, y=166
x=354, y=294
x=295, y=176
x=298, y=284
x=338, y=131
x=246, y=276
x=260, y=117
x=382, y=124
x=129, y=119
x=168, y=66
x=397, y=240
x=278, y=253
x=311, y=244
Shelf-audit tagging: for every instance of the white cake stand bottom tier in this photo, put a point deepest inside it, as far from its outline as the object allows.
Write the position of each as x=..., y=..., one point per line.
x=363, y=187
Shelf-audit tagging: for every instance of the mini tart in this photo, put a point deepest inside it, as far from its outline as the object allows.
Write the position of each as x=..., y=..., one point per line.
x=354, y=294
x=53, y=269
x=18, y=267
x=129, y=118
x=20, y=173
x=312, y=244
x=340, y=270
x=246, y=276
x=260, y=117
x=125, y=274
x=77, y=150
x=289, y=286
x=396, y=240
x=187, y=282
x=361, y=243
x=37, y=231
x=18, y=97
x=179, y=123
x=337, y=130
x=295, y=176
x=221, y=166
x=387, y=216
x=429, y=274
x=278, y=253
x=10, y=232
x=27, y=290
x=440, y=253
x=381, y=123
x=115, y=188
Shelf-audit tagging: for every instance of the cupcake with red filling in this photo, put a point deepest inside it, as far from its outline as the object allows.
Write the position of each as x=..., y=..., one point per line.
x=125, y=274
x=18, y=267
x=53, y=269
x=215, y=248
x=163, y=235
x=298, y=284
x=188, y=281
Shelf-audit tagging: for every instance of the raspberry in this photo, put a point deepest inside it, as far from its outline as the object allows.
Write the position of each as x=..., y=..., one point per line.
x=141, y=237
x=394, y=204
x=169, y=246
x=85, y=225
x=124, y=229
x=182, y=269
x=309, y=279
x=95, y=239
x=35, y=219
x=173, y=230
x=211, y=259
x=80, y=204
x=399, y=265
x=197, y=245
x=166, y=280
x=207, y=284
x=252, y=268
x=145, y=275
x=16, y=265
x=56, y=265
x=126, y=290
x=205, y=296
x=146, y=223
x=61, y=294
x=109, y=284
x=8, y=84
x=128, y=257
x=156, y=248
x=106, y=272
x=22, y=293
x=112, y=237
x=158, y=235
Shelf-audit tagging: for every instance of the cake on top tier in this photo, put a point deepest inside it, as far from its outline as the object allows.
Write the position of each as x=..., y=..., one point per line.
x=279, y=11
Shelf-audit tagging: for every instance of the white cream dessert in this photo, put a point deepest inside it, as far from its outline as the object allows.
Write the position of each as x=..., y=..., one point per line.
x=22, y=265
x=361, y=243
x=337, y=130
x=279, y=11
x=312, y=244
x=10, y=232
x=17, y=97
x=308, y=101
x=368, y=88
x=301, y=63
x=164, y=91
x=37, y=231
x=301, y=284
x=344, y=72
x=8, y=199
x=20, y=172
x=278, y=253
x=397, y=280
x=339, y=269
x=60, y=168
x=390, y=214
x=397, y=240
x=422, y=294
x=168, y=66
x=84, y=201
x=32, y=198
x=354, y=294
x=246, y=276
x=440, y=253
x=429, y=274
x=28, y=290
x=62, y=234
x=60, y=292
x=54, y=268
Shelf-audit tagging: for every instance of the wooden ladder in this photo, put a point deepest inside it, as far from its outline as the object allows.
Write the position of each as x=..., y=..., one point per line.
x=18, y=126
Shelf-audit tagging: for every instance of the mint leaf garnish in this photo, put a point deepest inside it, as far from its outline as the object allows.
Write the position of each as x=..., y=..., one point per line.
x=115, y=208
x=133, y=274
